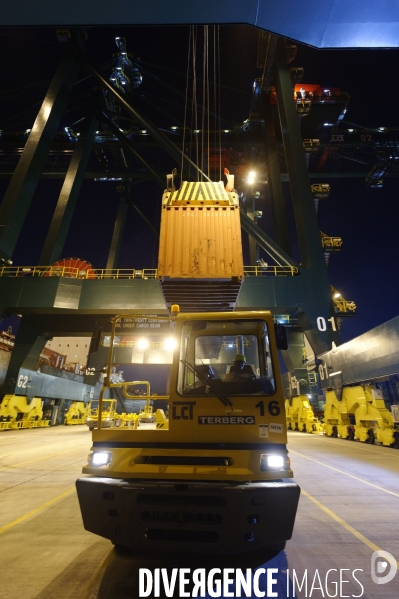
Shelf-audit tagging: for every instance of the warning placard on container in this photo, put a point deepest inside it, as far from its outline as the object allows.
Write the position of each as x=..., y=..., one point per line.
x=263, y=431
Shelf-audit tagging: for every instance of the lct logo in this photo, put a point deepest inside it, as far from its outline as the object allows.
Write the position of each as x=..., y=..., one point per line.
x=380, y=560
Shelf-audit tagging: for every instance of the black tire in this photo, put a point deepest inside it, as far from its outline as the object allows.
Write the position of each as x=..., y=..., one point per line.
x=304, y=428
x=395, y=444
x=370, y=437
x=121, y=548
x=351, y=434
x=334, y=433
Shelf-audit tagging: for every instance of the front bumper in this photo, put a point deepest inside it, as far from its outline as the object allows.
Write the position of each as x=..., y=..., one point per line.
x=196, y=517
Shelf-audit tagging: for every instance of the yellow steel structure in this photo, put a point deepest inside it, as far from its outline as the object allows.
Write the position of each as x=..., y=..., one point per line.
x=320, y=190
x=310, y=144
x=77, y=413
x=107, y=415
x=300, y=416
x=341, y=305
x=17, y=411
x=275, y=271
x=360, y=414
x=332, y=243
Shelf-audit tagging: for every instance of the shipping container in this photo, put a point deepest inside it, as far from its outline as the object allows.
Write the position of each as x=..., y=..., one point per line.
x=200, y=233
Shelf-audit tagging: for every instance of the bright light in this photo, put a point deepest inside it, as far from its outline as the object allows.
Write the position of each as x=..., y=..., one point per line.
x=328, y=124
x=143, y=343
x=251, y=177
x=100, y=458
x=143, y=131
x=170, y=343
x=350, y=130
x=275, y=461
x=310, y=397
x=337, y=295
x=173, y=128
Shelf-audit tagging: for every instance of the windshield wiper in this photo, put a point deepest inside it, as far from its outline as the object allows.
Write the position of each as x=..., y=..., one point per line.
x=221, y=397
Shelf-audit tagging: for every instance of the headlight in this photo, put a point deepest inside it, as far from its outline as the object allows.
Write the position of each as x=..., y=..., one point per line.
x=274, y=462
x=100, y=458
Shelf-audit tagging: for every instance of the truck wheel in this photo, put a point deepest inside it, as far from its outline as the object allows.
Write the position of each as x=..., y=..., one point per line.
x=351, y=434
x=334, y=433
x=121, y=548
x=370, y=437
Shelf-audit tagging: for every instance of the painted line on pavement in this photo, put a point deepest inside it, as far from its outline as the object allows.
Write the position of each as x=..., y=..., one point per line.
x=346, y=473
x=347, y=526
x=48, y=456
x=36, y=510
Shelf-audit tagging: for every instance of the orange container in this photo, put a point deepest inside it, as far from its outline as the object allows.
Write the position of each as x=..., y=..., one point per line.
x=200, y=241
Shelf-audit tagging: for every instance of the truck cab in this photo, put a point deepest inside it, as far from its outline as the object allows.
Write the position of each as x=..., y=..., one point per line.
x=216, y=477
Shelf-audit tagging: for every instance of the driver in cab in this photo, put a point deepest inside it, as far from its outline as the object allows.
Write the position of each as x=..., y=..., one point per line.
x=239, y=369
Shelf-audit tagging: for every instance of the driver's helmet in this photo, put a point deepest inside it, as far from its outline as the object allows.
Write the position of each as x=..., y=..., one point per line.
x=239, y=358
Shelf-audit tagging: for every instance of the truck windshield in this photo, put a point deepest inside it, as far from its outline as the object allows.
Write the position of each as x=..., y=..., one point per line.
x=232, y=357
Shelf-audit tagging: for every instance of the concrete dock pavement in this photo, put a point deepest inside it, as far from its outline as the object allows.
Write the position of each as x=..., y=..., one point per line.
x=348, y=510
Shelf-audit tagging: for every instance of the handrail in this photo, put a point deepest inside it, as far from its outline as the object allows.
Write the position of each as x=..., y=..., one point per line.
x=274, y=271
x=70, y=272
x=77, y=273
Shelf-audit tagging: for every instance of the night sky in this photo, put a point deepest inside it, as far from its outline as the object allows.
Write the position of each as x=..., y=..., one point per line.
x=365, y=271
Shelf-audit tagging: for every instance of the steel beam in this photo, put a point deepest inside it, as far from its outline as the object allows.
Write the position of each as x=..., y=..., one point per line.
x=302, y=200
x=152, y=129
x=59, y=227
x=266, y=242
x=129, y=146
x=275, y=189
x=29, y=344
x=117, y=234
x=21, y=189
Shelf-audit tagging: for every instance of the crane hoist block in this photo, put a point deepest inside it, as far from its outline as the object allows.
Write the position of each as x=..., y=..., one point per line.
x=200, y=233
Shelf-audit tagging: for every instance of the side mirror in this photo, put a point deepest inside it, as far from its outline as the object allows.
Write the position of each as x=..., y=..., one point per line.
x=95, y=340
x=281, y=336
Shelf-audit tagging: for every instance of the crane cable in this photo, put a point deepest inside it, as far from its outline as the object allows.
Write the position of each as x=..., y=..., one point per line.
x=204, y=94
x=217, y=108
x=204, y=147
x=194, y=104
x=185, y=103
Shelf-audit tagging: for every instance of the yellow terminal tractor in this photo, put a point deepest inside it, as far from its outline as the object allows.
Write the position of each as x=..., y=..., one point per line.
x=217, y=477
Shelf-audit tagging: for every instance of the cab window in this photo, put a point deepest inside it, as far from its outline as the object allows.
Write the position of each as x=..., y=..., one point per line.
x=231, y=357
